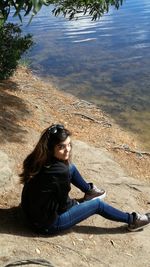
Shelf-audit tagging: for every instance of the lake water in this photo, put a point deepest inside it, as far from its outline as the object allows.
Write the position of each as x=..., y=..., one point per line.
x=106, y=62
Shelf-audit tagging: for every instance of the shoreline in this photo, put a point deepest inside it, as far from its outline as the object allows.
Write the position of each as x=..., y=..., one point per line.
x=28, y=106
x=31, y=104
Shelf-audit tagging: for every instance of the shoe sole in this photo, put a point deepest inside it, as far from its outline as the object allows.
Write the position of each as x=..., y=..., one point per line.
x=137, y=229
x=100, y=197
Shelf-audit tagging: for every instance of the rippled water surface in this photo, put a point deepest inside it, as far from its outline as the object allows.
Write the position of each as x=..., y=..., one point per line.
x=106, y=62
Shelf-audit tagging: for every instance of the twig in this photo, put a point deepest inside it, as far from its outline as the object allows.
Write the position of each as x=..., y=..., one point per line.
x=114, y=244
x=133, y=186
x=126, y=184
x=83, y=103
x=79, y=253
x=128, y=254
x=127, y=149
x=30, y=261
x=92, y=119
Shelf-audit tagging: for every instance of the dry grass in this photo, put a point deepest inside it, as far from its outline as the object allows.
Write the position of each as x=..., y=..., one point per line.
x=30, y=104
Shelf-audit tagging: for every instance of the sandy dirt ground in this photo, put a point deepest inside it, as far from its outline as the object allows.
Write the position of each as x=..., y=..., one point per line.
x=105, y=154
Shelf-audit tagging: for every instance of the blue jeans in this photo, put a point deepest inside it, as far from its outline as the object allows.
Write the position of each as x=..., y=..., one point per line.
x=82, y=211
x=77, y=179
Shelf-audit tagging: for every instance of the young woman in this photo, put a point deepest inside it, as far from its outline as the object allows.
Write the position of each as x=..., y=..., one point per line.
x=47, y=175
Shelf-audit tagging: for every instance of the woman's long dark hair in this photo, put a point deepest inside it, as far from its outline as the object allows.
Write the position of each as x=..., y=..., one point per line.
x=43, y=152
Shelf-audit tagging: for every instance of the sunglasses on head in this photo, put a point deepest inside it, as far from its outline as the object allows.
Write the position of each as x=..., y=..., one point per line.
x=55, y=128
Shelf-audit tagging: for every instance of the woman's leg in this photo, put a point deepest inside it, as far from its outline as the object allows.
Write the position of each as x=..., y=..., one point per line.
x=90, y=190
x=77, y=179
x=86, y=209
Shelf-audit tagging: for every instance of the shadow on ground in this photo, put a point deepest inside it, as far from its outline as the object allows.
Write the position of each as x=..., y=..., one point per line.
x=12, y=111
x=12, y=222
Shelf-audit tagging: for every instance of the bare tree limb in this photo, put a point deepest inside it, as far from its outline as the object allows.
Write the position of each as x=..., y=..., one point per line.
x=126, y=148
x=106, y=124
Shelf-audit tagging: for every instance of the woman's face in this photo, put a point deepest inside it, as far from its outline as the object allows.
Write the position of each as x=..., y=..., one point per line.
x=62, y=150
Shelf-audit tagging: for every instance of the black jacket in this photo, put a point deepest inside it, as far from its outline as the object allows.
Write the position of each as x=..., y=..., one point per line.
x=45, y=196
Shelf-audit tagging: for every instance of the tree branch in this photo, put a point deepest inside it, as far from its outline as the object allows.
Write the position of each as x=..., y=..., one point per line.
x=127, y=149
x=106, y=124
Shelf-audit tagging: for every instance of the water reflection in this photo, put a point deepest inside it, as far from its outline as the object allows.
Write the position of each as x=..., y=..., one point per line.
x=106, y=61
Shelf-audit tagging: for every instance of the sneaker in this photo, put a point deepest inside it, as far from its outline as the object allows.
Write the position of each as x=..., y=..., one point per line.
x=139, y=221
x=94, y=192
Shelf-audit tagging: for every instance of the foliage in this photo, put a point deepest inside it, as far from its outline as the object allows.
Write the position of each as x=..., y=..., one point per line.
x=93, y=8
x=69, y=8
x=12, y=46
